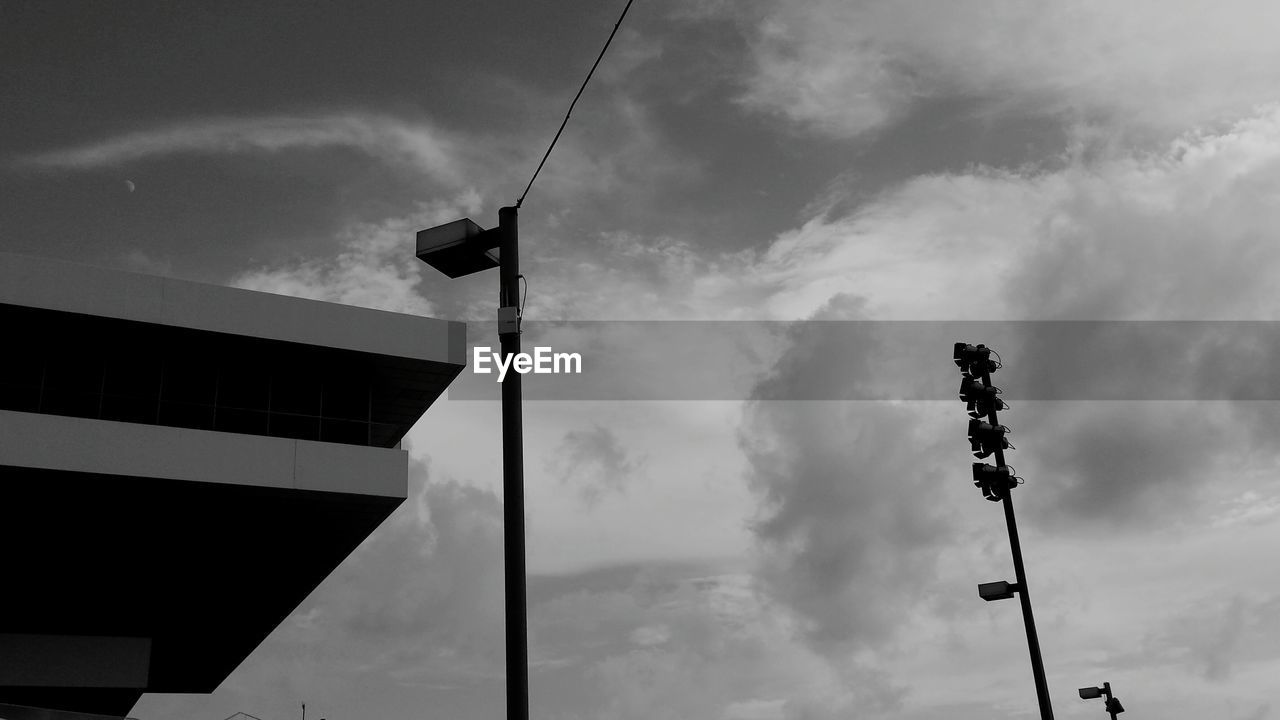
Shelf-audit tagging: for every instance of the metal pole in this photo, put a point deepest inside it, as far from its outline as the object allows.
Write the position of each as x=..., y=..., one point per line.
x=1106, y=690
x=513, y=474
x=1020, y=573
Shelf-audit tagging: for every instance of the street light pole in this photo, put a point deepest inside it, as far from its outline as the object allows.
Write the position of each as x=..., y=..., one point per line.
x=513, y=469
x=1113, y=706
x=1020, y=576
x=457, y=249
x=1111, y=701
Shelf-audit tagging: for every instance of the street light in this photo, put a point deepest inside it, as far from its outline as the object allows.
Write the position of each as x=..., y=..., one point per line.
x=461, y=248
x=998, y=590
x=1112, y=705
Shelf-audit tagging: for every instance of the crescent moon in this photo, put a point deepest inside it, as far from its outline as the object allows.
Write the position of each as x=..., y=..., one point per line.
x=129, y=185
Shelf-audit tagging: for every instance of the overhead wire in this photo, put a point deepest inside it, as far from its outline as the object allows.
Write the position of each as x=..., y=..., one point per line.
x=565, y=122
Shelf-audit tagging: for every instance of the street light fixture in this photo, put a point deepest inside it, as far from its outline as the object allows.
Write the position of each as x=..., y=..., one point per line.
x=1112, y=705
x=998, y=590
x=461, y=248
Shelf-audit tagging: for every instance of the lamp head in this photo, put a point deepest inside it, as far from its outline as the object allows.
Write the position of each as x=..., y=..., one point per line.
x=985, y=438
x=459, y=248
x=993, y=481
x=998, y=590
x=979, y=399
x=974, y=360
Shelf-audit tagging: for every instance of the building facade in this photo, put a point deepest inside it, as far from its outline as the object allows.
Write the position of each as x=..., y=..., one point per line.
x=181, y=464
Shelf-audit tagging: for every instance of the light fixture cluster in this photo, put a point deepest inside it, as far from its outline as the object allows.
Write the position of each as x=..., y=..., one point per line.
x=987, y=436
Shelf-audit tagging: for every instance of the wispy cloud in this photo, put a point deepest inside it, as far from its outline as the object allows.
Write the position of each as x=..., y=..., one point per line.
x=707, y=646
x=843, y=68
x=374, y=269
x=1219, y=635
x=415, y=145
x=1180, y=233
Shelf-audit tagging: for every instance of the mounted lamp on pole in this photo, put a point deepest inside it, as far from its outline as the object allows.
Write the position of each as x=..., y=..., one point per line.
x=1112, y=705
x=461, y=248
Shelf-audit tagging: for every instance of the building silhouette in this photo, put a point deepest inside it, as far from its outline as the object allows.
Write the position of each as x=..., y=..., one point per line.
x=181, y=464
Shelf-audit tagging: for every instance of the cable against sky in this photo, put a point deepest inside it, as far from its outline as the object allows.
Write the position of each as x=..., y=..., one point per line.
x=591, y=72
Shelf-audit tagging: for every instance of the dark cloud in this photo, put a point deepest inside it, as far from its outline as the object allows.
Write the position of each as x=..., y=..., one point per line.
x=847, y=529
x=1124, y=466
x=1131, y=426
x=424, y=598
x=594, y=461
x=1217, y=636
x=665, y=642
x=1262, y=712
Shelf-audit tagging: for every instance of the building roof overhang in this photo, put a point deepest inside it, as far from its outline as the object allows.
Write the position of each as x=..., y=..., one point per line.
x=170, y=553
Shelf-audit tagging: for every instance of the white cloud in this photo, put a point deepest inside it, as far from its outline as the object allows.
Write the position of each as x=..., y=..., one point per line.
x=1187, y=232
x=627, y=276
x=419, y=146
x=754, y=709
x=725, y=651
x=843, y=68
x=1116, y=235
x=376, y=268
x=853, y=518
x=938, y=246
x=651, y=635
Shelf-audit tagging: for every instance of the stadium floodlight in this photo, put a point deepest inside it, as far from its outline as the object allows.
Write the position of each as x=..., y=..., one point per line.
x=979, y=399
x=998, y=590
x=974, y=360
x=985, y=438
x=1090, y=693
x=993, y=481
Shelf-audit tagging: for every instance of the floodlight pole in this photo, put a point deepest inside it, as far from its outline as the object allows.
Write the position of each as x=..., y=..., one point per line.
x=1020, y=574
x=512, y=470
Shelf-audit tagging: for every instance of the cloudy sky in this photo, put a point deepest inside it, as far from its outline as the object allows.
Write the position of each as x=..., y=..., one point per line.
x=738, y=520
